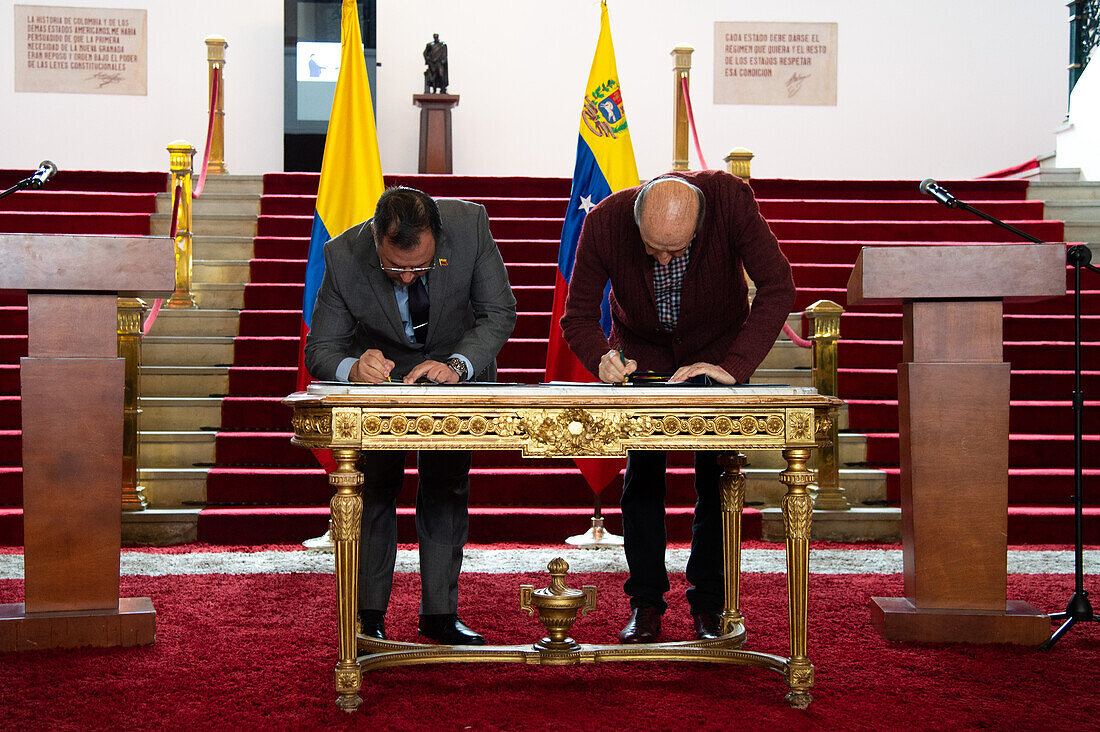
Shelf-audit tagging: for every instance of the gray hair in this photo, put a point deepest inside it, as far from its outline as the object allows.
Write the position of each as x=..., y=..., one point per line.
x=639, y=202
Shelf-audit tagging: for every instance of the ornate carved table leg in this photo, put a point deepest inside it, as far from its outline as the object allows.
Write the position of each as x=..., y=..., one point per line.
x=732, y=491
x=347, y=516
x=797, y=517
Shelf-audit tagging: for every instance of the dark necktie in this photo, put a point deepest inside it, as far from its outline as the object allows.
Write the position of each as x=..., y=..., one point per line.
x=418, y=308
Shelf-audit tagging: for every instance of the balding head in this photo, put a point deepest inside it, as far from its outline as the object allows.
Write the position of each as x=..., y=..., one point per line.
x=668, y=212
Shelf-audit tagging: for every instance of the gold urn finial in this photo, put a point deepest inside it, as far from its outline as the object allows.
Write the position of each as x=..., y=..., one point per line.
x=557, y=606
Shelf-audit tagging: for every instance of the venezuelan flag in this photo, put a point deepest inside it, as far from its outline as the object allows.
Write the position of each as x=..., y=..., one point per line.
x=605, y=164
x=351, y=171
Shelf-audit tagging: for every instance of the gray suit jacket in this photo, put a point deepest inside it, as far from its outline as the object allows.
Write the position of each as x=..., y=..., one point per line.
x=472, y=309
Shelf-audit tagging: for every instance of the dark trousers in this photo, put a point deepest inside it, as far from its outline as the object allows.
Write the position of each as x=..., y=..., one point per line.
x=645, y=539
x=442, y=523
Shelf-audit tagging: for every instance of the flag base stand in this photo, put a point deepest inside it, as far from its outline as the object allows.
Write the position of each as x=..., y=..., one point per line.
x=321, y=543
x=596, y=537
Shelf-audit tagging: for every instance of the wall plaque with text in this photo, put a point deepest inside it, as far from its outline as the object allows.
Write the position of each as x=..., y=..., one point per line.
x=775, y=63
x=80, y=50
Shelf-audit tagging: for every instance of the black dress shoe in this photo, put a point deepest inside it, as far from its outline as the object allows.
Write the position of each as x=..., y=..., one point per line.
x=449, y=630
x=708, y=626
x=372, y=624
x=644, y=626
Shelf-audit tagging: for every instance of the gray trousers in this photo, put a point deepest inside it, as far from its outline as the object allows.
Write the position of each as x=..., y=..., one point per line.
x=442, y=523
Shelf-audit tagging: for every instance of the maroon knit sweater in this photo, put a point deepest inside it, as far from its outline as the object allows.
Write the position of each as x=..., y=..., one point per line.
x=716, y=324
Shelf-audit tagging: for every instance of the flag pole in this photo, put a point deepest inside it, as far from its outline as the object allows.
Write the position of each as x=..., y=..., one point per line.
x=597, y=537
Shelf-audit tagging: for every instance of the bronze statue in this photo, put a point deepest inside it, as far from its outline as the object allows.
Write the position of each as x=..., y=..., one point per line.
x=435, y=76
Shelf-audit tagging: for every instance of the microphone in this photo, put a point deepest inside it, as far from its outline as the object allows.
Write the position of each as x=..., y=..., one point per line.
x=938, y=192
x=46, y=170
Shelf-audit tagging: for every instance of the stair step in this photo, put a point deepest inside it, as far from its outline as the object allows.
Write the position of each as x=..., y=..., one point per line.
x=187, y=350
x=175, y=448
x=218, y=296
x=212, y=248
x=195, y=322
x=860, y=523
x=184, y=381
x=265, y=525
x=1062, y=190
x=211, y=203
x=167, y=486
x=209, y=224
x=180, y=413
x=223, y=270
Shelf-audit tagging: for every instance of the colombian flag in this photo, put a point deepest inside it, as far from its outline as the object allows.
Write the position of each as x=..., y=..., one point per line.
x=351, y=171
x=605, y=164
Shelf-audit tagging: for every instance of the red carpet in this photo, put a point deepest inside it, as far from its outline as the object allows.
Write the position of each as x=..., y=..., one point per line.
x=257, y=651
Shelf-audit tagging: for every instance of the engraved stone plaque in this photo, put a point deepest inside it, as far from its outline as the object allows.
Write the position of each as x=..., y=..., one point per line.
x=80, y=50
x=775, y=63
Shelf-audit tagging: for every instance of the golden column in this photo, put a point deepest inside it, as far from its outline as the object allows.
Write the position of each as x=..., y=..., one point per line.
x=131, y=314
x=731, y=487
x=739, y=163
x=215, y=57
x=180, y=155
x=825, y=317
x=798, y=509
x=681, y=70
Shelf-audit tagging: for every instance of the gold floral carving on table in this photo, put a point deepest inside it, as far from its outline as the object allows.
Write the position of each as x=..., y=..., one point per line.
x=800, y=424
x=307, y=424
x=579, y=432
x=345, y=424
x=348, y=681
x=823, y=424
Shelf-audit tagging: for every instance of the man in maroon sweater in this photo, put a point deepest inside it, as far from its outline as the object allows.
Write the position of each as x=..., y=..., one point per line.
x=676, y=251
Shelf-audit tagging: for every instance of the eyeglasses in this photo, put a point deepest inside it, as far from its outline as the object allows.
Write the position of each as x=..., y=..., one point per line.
x=409, y=270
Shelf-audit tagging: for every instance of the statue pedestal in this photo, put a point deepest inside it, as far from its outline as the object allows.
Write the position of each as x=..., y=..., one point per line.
x=435, y=131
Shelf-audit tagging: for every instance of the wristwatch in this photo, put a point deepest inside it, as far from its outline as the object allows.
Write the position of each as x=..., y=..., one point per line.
x=459, y=367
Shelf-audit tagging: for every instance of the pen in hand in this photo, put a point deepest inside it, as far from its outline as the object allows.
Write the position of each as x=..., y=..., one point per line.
x=622, y=358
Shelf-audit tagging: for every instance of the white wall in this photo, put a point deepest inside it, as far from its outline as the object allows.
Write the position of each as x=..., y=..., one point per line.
x=116, y=132
x=941, y=88
x=1079, y=142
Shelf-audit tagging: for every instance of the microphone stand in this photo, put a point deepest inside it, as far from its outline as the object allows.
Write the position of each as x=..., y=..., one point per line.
x=1079, y=608
x=21, y=185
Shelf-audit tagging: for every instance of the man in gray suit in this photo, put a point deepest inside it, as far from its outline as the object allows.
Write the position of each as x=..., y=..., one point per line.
x=418, y=292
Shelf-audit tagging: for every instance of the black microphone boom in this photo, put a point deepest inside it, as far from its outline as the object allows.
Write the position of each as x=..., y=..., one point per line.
x=46, y=170
x=938, y=192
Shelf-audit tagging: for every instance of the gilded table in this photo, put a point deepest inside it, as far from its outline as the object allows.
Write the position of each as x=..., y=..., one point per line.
x=571, y=420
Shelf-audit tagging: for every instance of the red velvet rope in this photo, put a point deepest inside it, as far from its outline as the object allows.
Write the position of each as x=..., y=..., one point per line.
x=195, y=193
x=795, y=338
x=177, y=193
x=691, y=123
x=209, y=132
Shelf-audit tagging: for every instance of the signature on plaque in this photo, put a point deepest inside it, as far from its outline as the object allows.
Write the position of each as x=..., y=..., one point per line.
x=105, y=78
x=794, y=84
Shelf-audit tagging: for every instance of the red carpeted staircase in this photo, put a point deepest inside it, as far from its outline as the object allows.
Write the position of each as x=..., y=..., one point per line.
x=261, y=490
x=74, y=202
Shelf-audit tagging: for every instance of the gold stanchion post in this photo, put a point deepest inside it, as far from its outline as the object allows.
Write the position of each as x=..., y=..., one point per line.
x=825, y=317
x=215, y=57
x=131, y=314
x=739, y=163
x=681, y=69
x=180, y=155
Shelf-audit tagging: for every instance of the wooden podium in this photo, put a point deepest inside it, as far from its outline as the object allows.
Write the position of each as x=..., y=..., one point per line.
x=435, y=132
x=953, y=404
x=71, y=386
